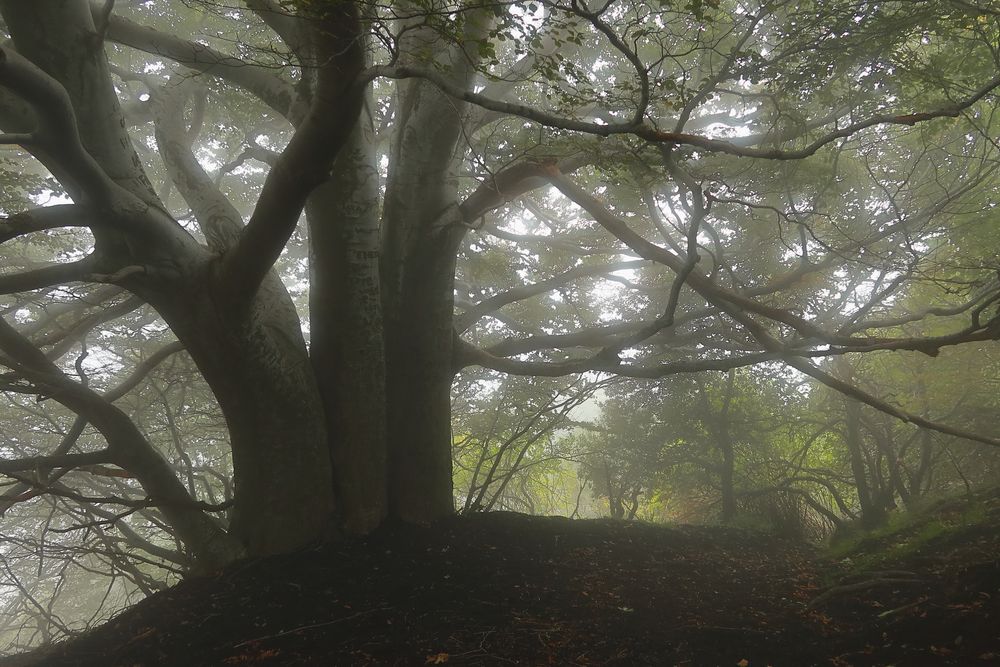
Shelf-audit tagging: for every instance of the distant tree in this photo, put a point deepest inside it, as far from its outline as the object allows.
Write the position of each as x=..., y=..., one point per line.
x=507, y=450
x=698, y=445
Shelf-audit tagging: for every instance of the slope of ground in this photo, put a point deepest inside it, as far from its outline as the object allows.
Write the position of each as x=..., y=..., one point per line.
x=503, y=589
x=928, y=585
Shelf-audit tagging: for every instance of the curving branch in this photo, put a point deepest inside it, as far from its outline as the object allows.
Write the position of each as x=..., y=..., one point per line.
x=790, y=357
x=596, y=336
x=551, y=242
x=142, y=370
x=641, y=71
x=21, y=492
x=512, y=182
x=727, y=299
x=281, y=21
x=858, y=394
x=273, y=91
x=216, y=215
x=133, y=539
x=174, y=504
x=699, y=282
x=467, y=354
x=56, y=131
x=63, y=338
x=306, y=161
x=498, y=301
x=697, y=209
x=32, y=463
x=982, y=299
x=709, y=86
x=127, y=447
x=651, y=134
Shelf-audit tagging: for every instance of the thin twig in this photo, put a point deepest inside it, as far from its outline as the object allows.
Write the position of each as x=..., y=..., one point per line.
x=311, y=626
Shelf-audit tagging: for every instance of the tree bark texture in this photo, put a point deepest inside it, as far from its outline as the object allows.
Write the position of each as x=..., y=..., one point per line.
x=346, y=338
x=421, y=232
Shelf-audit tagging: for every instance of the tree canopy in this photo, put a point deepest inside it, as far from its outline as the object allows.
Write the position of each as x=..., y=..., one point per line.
x=249, y=245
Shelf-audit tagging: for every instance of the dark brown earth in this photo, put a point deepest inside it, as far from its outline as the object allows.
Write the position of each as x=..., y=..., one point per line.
x=503, y=589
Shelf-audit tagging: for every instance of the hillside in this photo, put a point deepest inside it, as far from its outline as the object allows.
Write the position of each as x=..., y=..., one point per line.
x=510, y=589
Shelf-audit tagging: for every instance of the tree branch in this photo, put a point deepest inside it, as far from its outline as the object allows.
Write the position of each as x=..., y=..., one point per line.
x=63, y=338
x=43, y=219
x=128, y=448
x=883, y=406
x=467, y=354
x=255, y=79
x=48, y=276
x=306, y=160
x=56, y=461
x=143, y=369
x=56, y=132
x=698, y=281
x=281, y=21
x=653, y=135
x=494, y=303
x=217, y=217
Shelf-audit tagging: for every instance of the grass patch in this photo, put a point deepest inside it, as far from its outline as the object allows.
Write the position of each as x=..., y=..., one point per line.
x=915, y=533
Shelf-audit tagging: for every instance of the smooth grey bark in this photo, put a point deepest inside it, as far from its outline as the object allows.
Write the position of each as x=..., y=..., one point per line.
x=61, y=36
x=256, y=364
x=422, y=228
x=346, y=337
x=255, y=361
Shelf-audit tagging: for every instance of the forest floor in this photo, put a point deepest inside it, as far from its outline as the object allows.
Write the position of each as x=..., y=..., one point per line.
x=506, y=589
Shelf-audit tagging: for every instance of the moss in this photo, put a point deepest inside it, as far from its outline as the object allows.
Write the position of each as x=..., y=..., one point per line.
x=904, y=535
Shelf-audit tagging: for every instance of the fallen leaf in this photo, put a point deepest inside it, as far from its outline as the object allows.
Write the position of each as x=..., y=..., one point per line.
x=436, y=659
x=743, y=663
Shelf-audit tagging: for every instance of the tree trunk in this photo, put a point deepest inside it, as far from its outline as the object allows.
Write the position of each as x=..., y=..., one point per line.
x=376, y=403
x=346, y=338
x=419, y=340
x=421, y=233
x=257, y=366
x=253, y=358
x=727, y=472
x=871, y=513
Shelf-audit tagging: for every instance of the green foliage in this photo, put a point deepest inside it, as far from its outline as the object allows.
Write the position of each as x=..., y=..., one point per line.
x=922, y=530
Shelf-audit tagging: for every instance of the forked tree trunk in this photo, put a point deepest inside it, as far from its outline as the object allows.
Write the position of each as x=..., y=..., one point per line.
x=289, y=415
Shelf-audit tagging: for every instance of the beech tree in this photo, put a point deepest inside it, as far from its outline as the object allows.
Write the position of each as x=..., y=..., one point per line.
x=538, y=188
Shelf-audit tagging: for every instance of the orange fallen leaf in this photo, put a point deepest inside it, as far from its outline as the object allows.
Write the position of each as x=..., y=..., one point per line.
x=437, y=659
x=743, y=663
